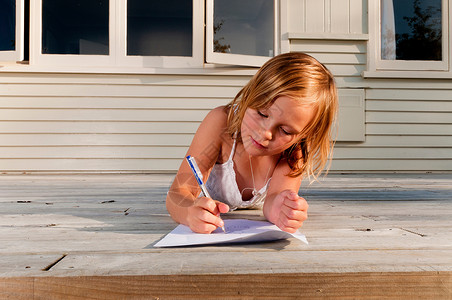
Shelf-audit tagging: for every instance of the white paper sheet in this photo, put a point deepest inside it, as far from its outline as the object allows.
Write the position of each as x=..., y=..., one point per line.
x=237, y=231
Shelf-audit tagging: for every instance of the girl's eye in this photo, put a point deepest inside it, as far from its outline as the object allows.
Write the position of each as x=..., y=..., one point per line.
x=285, y=132
x=261, y=114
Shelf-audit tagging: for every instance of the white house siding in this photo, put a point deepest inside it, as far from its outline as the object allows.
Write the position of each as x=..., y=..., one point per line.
x=74, y=122
x=104, y=123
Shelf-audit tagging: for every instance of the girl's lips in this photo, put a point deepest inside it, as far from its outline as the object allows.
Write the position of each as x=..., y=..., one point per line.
x=258, y=145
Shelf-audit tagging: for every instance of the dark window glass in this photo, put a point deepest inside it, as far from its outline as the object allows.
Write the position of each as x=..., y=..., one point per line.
x=160, y=28
x=244, y=27
x=7, y=25
x=75, y=27
x=415, y=30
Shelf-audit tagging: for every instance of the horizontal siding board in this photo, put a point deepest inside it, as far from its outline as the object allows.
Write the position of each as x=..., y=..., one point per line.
x=346, y=70
x=330, y=46
x=412, y=90
x=95, y=139
x=104, y=90
x=409, y=117
x=409, y=106
x=113, y=102
x=392, y=153
x=97, y=127
x=126, y=80
x=181, y=115
x=336, y=58
x=392, y=165
x=401, y=141
x=142, y=152
x=408, y=129
x=90, y=165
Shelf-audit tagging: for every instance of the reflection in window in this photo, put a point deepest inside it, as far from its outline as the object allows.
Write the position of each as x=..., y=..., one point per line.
x=75, y=27
x=160, y=28
x=244, y=27
x=411, y=30
x=7, y=25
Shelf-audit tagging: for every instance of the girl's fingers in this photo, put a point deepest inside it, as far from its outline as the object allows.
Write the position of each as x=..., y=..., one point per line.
x=293, y=214
x=208, y=215
x=297, y=203
x=288, y=225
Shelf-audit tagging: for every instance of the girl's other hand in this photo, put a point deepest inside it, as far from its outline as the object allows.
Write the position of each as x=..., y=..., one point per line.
x=204, y=215
x=293, y=211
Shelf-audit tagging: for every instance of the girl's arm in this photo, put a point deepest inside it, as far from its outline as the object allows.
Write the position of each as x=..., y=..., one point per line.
x=182, y=202
x=283, y=207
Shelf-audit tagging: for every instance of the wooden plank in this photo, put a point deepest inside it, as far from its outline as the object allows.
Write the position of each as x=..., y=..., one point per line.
x=103, y=90
x=90, y=165
x=76, y=114
x=383, y=141
x=424, y=91
x=409, y=106
x=131, y=80
x=339, y=58
x=294, y=11
x=39, y=126
x=408, y=117
x=400, y=285
x=314, y=14
x=82, y=139
x=391, y=153
x=113, y=102
x=392, y=165
x=358, y=21
x=408, y=129
x=100, y=152
x=307, y=45
x=340, y=16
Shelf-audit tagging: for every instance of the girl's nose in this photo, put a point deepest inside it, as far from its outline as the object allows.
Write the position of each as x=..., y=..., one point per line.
x=267, y=134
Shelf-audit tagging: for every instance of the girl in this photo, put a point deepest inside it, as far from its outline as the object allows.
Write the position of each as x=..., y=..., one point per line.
x=255, y=150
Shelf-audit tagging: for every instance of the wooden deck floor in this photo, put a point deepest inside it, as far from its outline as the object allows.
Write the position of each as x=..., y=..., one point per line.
x=91, y=236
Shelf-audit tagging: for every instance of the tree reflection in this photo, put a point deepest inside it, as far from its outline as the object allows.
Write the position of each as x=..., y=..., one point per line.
x=217, y=46
x=424, y=41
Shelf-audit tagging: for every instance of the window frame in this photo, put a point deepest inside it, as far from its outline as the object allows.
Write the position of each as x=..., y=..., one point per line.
x=238, y=59
x=18, y=53
x=376, y=64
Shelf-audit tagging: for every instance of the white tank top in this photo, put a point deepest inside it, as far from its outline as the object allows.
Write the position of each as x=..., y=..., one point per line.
x=222, y=186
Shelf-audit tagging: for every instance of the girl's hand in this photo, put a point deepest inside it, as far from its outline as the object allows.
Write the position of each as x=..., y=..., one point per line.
x=204, y=215
x=290, y=211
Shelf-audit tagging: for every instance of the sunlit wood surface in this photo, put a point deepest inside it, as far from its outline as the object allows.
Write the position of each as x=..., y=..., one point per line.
x=92, y=236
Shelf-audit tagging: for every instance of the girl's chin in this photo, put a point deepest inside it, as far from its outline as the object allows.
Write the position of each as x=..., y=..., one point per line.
x=254, y=149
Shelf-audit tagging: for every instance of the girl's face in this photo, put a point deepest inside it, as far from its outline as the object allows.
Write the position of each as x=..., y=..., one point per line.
x=272, y=130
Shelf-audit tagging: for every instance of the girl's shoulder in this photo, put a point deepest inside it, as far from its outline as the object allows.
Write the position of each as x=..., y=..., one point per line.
x=217, y=116
x=216, y=121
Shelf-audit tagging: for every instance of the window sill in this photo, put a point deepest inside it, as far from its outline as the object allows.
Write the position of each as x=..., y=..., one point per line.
x=408, y=74
x=207, y=69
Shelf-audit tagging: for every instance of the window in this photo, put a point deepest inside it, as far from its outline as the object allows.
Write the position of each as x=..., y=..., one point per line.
x=71, y=32
x=241, y=32
x=137, y=34
x=75, y=27
x=411, y=35
x=11, y=30
x=161, y=33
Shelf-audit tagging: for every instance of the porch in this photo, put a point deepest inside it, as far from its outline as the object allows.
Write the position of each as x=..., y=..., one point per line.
x=92, y=236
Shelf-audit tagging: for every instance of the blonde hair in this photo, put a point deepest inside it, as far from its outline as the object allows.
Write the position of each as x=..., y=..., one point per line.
x=301, y=77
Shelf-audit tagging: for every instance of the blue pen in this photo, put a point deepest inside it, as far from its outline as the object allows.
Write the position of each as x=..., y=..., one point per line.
x=198, y=175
